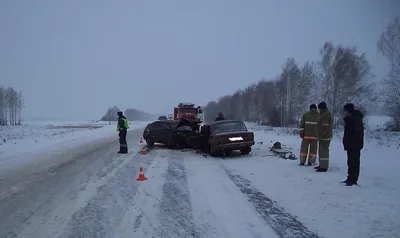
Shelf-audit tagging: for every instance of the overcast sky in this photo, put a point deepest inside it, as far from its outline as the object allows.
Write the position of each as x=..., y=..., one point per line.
x=74, y=58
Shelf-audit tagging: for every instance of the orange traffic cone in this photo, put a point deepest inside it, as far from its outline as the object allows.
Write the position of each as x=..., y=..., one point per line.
x=141, y=175
x=143, y=151
x=141, y=140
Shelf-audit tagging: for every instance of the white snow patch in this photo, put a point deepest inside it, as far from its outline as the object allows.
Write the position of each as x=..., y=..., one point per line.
x=218, y=205
x=320, y=201
x=377, y=122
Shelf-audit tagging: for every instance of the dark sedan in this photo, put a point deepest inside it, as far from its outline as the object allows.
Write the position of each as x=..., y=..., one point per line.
x=226, y=136
x=172, y=133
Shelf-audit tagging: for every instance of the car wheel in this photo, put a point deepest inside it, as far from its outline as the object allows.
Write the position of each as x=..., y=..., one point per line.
x=149, y=142
x=214, y=152
x=171, y=143
x=228, y=152
x=245, y=151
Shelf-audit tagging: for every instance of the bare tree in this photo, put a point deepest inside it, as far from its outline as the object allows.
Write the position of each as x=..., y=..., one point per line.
x=389, y=46
x=3, y=116
x=346, y=78
x=20, y=106
x=11, y=105
x=342, y=75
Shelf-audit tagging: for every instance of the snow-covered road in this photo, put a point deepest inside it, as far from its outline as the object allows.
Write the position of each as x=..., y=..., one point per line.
x=78, y=186
x=95, y=194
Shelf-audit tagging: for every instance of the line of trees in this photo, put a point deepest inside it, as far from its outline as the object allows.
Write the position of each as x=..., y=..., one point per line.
x=131, y=114
x=341, y=75
x=389, y=46
x=11, y=105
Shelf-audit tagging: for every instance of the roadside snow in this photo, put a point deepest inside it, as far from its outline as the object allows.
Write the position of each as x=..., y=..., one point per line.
x=18, y=143
x=319, y=200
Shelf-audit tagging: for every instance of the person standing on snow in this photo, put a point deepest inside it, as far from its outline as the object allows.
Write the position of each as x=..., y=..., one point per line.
x=122, y=127
x=308, y=133
x=220, y=117
x=325, y=134
x=353, y=142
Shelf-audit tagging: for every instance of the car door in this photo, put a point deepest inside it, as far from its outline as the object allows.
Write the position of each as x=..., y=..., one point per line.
x=154, y=132
x=165, y=132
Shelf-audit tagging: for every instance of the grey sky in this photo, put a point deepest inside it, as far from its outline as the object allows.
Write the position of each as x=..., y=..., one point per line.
x=73, y=58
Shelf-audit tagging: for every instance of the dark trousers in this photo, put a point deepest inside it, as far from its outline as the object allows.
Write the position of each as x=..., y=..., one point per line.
x=353, y=165
x=123, y=146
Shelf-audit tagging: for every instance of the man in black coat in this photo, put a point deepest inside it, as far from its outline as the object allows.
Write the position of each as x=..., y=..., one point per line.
x=220, y=117
x=353, y=142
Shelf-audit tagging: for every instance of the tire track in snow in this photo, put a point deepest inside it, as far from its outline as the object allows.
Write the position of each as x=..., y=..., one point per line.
x=142, y=219
x=176, y=216
x=284, y=224
x=103, y=212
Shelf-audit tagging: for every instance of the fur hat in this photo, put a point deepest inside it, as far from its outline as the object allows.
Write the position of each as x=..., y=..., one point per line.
x=349, y=107
x=322, y=105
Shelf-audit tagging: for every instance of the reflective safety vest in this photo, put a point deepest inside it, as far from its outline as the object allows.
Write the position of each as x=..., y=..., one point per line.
x=309, y=125
x=125, y=123
x=325, y=126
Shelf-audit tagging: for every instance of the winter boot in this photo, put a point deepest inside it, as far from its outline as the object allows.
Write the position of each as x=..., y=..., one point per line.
x=316, y=167
x=309, y=164
x=351, y=183
x=321, y=170
x=123, y=149
x=301, y=164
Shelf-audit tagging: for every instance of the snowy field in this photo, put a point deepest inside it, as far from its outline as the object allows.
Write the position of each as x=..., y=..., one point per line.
x=36, y=137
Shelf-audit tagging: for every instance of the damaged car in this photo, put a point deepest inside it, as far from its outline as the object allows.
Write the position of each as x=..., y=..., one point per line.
x=217, y=138
x=226, y=136
x=172, y=133
x=223, y=137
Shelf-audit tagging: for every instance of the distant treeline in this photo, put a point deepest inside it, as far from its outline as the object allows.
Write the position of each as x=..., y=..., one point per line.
x=130, y=114
x=342, y=75
x=11, y=105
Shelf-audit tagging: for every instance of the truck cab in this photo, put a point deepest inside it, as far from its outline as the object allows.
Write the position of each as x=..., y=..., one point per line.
x=185, y=111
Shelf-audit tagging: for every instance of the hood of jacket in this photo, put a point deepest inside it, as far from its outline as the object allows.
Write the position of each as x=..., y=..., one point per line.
x=357, y=114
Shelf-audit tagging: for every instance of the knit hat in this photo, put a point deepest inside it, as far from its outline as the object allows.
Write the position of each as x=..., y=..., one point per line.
x=322, y=105
x=313, y=106
x=349, y=107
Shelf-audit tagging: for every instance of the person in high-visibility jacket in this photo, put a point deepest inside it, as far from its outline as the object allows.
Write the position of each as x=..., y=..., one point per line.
x=122, y=127
x=308, y=133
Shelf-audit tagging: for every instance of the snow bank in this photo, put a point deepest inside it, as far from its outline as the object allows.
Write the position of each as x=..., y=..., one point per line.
x=319, y=200
x=37, y=137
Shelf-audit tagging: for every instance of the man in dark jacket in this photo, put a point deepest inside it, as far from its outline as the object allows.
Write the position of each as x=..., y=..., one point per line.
x=220, y=117
x=353, y=142
x=122, y=127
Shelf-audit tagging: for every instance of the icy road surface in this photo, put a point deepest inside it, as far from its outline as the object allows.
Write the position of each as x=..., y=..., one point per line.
x=94, y=193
